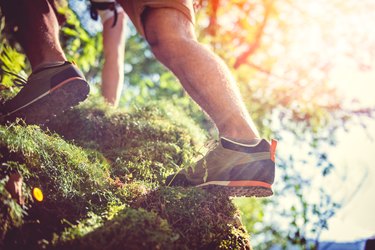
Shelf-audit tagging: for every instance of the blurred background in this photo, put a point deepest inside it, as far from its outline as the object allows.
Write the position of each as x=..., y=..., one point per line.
x=306, y=71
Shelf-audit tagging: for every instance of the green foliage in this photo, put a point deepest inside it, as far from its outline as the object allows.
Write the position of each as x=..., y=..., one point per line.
x=174, y=218
x=202, y=219
x=250, y=211
x=145, y=144
x=80, y=46
x=10, y=61
x=53, y=166
x=107, y=161
x=131, y=228
x=11, y=214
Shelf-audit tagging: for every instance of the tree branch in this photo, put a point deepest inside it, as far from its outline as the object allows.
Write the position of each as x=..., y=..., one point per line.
x=252, y=48
x=212, y=26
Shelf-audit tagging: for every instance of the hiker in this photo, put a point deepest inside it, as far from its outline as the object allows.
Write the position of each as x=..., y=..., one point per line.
x=241, y=164
x=113, y=19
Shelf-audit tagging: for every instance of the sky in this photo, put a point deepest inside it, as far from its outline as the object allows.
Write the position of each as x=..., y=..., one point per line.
x=346, y=36
x=355, y=153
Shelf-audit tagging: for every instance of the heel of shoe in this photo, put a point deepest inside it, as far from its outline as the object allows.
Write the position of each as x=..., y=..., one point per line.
x=261, y=171
x=64, y=96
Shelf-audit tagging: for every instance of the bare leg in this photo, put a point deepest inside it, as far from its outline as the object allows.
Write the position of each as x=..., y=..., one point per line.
x=113, y=68
x=37, y=30
x=204, y=76
x=58, y=86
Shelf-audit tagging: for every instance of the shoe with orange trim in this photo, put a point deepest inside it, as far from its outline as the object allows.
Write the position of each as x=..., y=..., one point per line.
x=48, y=91
x=234, y=168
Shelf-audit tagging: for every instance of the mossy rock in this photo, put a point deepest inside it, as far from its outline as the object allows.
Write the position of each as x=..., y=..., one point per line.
x=96, y=170
x=167, y=218
x=146, y=143
x=204, y=220
x=70, y=178
x=130, y=229
x=11, y=214
x=73, y=182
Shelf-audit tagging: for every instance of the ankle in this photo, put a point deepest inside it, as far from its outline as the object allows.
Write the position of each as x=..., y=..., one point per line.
x=47, y=64
x=248, y=137
x=49, y=57
x=243, y=141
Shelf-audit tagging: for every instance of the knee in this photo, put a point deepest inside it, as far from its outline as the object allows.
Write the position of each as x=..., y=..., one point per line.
x=167, y=48
x=167, y=43
x=170, y=49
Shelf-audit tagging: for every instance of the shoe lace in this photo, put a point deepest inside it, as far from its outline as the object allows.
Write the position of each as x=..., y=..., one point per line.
x=18, y=80
x=209, y=146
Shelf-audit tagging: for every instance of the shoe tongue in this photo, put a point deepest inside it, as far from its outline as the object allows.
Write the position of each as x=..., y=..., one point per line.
x=48, y=65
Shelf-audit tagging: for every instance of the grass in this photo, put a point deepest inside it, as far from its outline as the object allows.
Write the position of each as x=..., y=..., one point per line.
x=102, y=174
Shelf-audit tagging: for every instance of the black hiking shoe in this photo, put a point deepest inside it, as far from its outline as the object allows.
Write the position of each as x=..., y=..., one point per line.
x=47, y=92
x=235, y=168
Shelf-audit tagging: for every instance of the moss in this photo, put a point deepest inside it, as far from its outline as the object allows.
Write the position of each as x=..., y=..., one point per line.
x=96, y=171
x=182, y=219
x=131, y=229
x=204, y=220
x=70, y=180
x=11, y=214
x=146, y=143
x=73, y=182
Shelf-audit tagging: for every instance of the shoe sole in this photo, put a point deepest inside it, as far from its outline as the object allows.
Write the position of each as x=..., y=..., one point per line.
x=63, y=96
x=239, y=188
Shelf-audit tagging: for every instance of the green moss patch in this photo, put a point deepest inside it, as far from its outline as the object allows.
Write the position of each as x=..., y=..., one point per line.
x=102, y=174
x=72, y=180
x=146, y=143
x=130, y=229
x=204, y=220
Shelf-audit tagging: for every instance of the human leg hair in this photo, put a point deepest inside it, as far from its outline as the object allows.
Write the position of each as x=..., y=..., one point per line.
x=203, y=74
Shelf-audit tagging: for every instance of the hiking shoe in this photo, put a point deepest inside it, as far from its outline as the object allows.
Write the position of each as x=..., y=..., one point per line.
x=235, y=168
x=47, y=92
